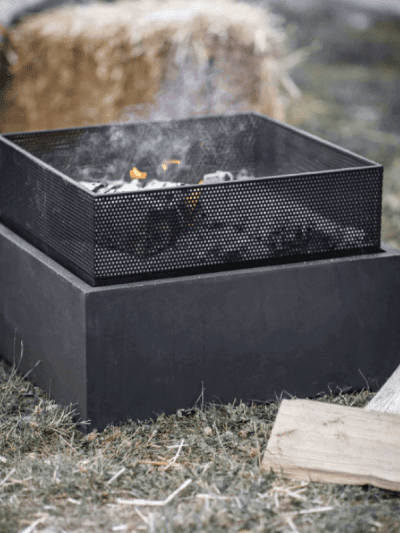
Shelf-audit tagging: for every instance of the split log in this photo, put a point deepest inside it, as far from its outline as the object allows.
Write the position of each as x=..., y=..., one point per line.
x=335, y=444
x=387, y=399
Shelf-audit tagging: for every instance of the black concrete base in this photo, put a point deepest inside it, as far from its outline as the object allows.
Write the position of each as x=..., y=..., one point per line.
x=134, y=350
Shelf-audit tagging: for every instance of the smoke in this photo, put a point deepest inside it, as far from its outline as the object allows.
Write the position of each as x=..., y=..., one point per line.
x=106, y=156
x=193, y=87
x=197, y=88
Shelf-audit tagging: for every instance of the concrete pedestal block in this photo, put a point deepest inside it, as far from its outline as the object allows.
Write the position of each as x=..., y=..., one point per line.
x=134, y=350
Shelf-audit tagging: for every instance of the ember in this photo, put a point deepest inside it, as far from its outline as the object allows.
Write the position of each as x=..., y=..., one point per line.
x=165, y=164
x=220, y=176
x=135, y=173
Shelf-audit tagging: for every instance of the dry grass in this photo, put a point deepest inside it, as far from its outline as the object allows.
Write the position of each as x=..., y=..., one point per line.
x=196, y=470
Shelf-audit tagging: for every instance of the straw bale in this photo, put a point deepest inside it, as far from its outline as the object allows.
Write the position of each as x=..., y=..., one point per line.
x=91, y=64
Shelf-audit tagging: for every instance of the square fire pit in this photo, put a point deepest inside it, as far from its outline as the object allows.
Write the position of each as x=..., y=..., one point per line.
x=290, y=197
x=272, y=281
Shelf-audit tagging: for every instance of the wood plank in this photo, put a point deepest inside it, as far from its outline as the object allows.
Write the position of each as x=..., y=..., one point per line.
x=335, y=444
x=387, y=399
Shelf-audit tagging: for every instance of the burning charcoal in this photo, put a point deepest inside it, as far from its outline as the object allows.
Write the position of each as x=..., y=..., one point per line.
x=134, y=185
x=168, y=166
x=220, y=176
x=157, y=184
x=135, y=173
x=174, y=170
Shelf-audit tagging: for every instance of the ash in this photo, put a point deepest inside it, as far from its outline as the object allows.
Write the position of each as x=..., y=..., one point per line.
x=143, y=183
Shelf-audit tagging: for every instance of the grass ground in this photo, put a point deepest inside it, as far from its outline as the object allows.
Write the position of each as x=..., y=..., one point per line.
x=205, y=461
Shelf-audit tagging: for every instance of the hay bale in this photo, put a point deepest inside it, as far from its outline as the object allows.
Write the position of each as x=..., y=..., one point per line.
x=81, y=65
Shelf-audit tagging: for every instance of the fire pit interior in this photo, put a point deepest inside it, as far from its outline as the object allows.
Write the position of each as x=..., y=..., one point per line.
x=147, y=200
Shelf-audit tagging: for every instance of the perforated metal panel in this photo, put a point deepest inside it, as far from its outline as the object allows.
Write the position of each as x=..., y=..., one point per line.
x=308, y=199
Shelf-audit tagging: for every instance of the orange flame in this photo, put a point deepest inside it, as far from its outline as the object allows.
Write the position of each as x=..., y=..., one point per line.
x=165, y=164
x=135, y=173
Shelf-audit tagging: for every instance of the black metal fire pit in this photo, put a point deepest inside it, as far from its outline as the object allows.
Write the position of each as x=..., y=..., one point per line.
x=292, y=197
x=314, y=304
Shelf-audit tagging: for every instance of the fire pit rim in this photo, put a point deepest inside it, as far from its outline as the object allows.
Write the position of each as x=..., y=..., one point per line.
x=369, y=164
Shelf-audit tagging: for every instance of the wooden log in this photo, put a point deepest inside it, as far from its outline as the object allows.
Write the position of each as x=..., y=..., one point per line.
x=387, y=399
x=335, y=444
